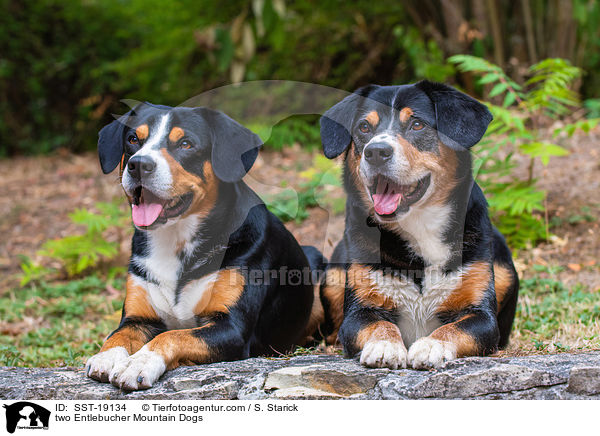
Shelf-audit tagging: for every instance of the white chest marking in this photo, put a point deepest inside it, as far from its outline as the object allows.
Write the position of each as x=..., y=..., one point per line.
x=179, y=314
x=424, y=228
x=164, y=244
x=163, y=267
x=416, y=309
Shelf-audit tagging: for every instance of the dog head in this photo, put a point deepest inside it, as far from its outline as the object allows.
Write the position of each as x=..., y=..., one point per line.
x=403, y=143
x=173, y=159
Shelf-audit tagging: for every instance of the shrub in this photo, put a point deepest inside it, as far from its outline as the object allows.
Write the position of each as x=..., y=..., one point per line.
x=315, y=190
x=79, y=253
x=517, y=204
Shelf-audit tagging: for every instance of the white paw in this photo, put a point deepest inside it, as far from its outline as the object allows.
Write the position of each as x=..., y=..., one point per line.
x=383, y=354
x=140, y=371
x=428, y=353
x=100, y=365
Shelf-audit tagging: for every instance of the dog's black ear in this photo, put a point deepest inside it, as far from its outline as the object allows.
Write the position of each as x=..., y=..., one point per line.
x=459, y=117
x=336, y=123
x=110, y=143
x=234, y=147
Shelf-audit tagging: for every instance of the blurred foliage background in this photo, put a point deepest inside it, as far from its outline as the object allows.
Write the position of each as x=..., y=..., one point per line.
x=65, y=64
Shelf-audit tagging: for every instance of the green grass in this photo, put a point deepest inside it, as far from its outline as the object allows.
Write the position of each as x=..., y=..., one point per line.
x=57, y=324
x=554, y=317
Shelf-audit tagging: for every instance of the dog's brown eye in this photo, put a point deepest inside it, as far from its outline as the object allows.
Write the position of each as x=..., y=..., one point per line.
x=364, y=127
x=417, y=125
x=186, y=145
x=133, y=140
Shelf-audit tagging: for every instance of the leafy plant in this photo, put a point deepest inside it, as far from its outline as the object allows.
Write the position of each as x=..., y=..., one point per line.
x=297, y=129
x=10, y=356
x=586, y=216
x=517, y=204
x=32, y=271
x=593, y=107
x=427, y=58
x=77, y=253
x=320, y=179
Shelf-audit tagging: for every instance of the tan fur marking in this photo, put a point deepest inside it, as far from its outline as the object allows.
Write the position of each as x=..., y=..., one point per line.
x=464, y=342
x=176, y=134
x=503, y=279
x=442, y=167
x=121, y=166
x=142, y=132
x=136, y=301
x=317, y=316
x=223, y=294
x=136, y=305
x=475, y=281
x=181, y=347
x=359, y=279
x=373, y=118
x=333, y=292
x=446, y=178
x=378, y=331
x=131, y=338
x=205, y=193
x=405, y=114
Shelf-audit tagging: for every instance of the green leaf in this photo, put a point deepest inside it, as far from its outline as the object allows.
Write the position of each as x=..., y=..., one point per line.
x=509, y=99
x=489, y=78
x=543, y=150
x=498, y=89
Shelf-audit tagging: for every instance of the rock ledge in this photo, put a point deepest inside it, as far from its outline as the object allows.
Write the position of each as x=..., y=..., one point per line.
x=560, y=376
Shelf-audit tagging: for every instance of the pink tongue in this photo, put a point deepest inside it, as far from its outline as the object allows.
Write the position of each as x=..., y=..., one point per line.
x=385, y=200
x=385, y=204
x=146, y=213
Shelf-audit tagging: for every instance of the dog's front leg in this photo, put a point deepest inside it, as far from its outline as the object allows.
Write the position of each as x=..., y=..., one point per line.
x=368, y=326
x=381, y=345
x=473, y=334
x=139, y=324
x=218, y=340
x=469, y=321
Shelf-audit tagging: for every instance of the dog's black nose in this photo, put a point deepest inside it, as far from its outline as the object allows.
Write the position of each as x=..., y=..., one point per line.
x=140, y=166
x=378, y=153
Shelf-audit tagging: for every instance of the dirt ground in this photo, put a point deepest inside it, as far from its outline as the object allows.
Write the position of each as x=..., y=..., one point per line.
x=572, y=184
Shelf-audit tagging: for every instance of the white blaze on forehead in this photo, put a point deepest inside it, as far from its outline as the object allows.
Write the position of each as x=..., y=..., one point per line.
x=158, y=133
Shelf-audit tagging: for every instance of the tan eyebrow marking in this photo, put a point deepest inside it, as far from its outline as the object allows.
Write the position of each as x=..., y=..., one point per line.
x=405, y=114
x=176, y=134
x=142, y=131
x=373, y=118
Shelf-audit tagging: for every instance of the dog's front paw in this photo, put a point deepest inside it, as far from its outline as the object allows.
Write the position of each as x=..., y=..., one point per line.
x=428, y=353
x=383, y=354
x=140, y=371
x=100, y=365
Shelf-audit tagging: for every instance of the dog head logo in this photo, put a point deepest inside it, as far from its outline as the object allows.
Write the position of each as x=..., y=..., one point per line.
x=26, y=415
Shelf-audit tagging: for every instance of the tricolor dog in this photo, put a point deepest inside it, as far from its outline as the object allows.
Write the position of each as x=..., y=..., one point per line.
x=421, y=276
x=210, y=274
